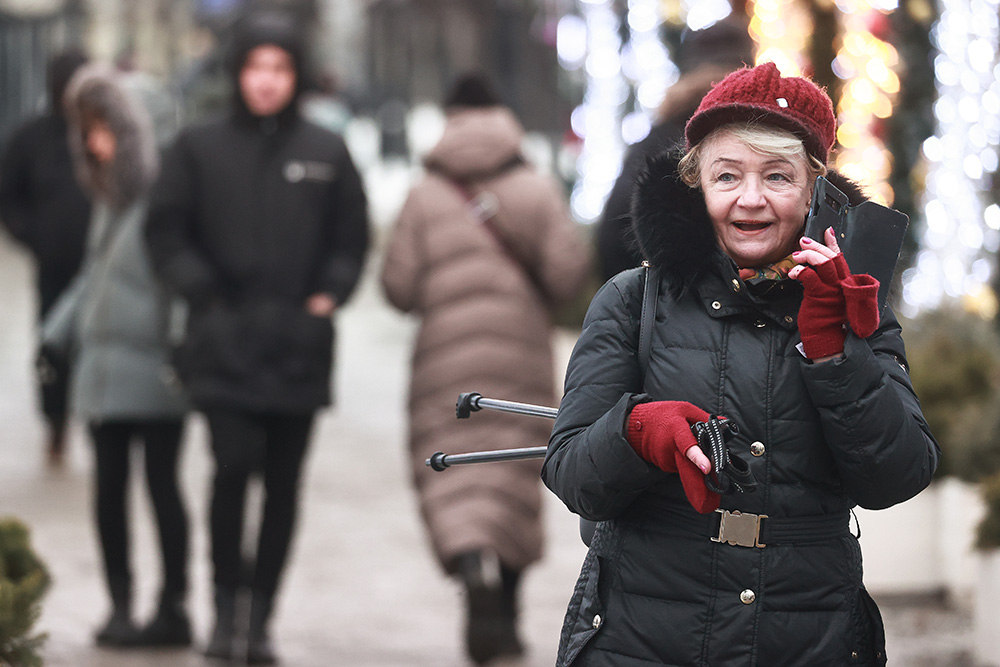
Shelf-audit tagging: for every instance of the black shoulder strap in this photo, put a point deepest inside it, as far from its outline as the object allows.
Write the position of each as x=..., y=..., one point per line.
x=650, y=292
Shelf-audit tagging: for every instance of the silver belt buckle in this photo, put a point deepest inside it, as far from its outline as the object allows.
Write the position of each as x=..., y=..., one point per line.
x=739, y=528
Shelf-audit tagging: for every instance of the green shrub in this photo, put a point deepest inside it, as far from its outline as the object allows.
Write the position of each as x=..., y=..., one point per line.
x=23, y=582
x=954, y=362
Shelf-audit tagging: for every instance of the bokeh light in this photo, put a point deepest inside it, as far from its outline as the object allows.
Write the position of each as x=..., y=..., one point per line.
x=961, y=232
x=615, y=69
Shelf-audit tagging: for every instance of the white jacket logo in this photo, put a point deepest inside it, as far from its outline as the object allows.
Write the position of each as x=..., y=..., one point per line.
x=307, y=170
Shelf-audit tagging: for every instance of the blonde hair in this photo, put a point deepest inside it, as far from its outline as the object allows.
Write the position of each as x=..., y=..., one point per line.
x=764, y=139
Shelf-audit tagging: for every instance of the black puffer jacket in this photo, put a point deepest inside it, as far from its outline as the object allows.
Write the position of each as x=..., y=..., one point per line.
x=249, y=218
x=655, y=590
x=41, y=203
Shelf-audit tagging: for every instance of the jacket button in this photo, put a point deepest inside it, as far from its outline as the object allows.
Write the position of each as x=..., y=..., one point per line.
x=789, y=319
x=854, y=655
x=760, y=324
x=757, y=448
x=716, y=305
x=598, y=621
x=747, y=596
x=736, y=285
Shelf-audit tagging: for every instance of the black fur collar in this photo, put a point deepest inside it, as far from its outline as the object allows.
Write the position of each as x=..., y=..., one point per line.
x=671, y=224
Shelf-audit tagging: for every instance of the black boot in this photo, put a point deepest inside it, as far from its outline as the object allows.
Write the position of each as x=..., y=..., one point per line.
x=510, y=581
x=260, y=649
x=170, y=626
x=491, y=630
x=119, y=629
x=220, y=645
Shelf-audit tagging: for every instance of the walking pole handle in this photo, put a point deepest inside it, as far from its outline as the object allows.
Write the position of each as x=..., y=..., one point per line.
x=474, y=402
x=467, y=404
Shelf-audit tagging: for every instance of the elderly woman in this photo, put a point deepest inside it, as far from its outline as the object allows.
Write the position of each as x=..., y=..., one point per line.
x=757, y=323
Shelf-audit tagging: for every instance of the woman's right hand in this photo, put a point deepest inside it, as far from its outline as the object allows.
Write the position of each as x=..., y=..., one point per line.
x=660, y=433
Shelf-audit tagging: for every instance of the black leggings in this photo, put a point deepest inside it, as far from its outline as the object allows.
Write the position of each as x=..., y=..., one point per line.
x=246, y=443
x=112, y=446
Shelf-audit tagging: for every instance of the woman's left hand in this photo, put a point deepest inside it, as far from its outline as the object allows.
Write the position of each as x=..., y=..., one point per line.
x=833, y=297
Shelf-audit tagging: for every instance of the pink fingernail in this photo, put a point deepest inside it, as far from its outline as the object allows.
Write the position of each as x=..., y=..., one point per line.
x=806, y=240
x=704, y=469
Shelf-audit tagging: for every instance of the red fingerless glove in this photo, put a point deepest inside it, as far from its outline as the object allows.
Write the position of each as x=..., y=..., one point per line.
x=832, y=298
x=823, y=313
x=861, y=299
x=660, y=433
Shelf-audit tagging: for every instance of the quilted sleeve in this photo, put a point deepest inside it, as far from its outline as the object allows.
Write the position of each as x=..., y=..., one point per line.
x=872, y=421
x=589, y=464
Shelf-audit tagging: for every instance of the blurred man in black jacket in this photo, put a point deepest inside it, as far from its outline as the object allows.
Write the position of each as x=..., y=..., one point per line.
x=259, y=221
x=44, y=208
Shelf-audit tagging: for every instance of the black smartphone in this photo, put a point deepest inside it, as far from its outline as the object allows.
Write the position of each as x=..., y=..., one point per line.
x=828, y=209
x=870, y=235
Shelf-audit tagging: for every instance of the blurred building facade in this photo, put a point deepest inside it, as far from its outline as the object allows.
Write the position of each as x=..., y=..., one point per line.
x=30, y=31
x=417, y=47
x=385, y=56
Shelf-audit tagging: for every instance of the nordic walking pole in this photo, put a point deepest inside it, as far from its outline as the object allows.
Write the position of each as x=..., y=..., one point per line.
x=439, y=461
x=474, y=402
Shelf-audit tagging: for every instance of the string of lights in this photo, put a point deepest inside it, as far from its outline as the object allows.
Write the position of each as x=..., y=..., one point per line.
x=647, y=66
x=867, y=65
x=781, y=29
x=591, y=41
x=960, y=231
x=616, y=72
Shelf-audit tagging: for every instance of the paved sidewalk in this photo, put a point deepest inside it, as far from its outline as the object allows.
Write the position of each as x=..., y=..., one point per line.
x=361, y=589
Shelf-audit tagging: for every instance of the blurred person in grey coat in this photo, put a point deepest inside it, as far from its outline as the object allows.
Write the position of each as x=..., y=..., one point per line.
x=112, y=323
x=45, y=209
x=259, y=220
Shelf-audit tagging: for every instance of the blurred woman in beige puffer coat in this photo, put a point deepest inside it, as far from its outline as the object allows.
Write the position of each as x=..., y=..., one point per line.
x=482, y=249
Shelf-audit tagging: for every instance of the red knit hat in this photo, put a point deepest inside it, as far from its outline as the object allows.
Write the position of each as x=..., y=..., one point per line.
x=761, y=94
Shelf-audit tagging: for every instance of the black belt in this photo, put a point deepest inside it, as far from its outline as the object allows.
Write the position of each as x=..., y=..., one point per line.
x=758, y=530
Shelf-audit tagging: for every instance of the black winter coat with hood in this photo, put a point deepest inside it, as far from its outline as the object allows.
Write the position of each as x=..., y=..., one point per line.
x=250, y=217
x=820, y=439
x=41, y=203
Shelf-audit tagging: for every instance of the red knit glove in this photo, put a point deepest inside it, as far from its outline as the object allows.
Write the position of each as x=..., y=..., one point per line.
x=861, y=299
x=834, y=297
x=660, y=432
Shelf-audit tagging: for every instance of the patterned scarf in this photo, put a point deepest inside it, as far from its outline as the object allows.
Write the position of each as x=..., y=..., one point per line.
x=777, y=271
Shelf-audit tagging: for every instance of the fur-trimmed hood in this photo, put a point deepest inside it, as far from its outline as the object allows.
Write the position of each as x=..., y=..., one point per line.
x=670, y=221
x=101, y=91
